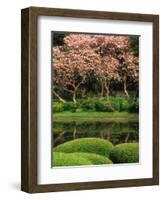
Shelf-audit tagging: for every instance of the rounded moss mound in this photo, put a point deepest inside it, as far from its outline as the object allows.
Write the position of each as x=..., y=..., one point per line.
x=125, y=153
x=88, y=145
x=66, y=159
x=94, y=158
x=72, y=159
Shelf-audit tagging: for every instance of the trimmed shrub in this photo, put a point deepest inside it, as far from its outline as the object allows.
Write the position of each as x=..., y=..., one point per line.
x=72, y=159
x=66, y=159
x=95, y=158
x=88, y=145
x=125, y=153
x=58, y=106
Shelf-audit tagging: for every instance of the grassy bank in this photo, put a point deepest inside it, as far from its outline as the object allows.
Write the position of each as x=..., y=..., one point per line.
x=96, y=116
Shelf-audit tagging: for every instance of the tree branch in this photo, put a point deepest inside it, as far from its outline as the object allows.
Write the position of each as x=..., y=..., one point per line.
x=59, y=97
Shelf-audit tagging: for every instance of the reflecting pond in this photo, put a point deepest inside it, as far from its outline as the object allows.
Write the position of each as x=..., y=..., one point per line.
x=116, y=132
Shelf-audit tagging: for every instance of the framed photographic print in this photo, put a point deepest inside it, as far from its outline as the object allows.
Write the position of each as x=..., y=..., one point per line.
x=90, y=99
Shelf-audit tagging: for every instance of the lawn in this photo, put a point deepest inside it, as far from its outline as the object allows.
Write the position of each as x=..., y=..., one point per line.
x=96, y=116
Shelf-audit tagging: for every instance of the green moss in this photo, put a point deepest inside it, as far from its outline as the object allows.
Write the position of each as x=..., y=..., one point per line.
x=94, y=158
x=72, y=159
x=125, y=153
x=66, y=159
x=88, y=145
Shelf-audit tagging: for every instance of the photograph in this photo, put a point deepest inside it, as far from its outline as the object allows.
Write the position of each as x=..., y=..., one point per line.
x=95, y=99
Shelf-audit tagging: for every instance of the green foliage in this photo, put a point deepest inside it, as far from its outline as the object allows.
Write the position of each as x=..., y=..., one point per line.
x=104, y=106
x=134, y=42
x=58, y=38
x=71, y=159
x=125, y=153
x=134, y=107
x=66, y=159
x=124, y=105
x=99, y=105
x=67, y=106
x=58, y=106
x=115, y=102
x=120, y=103
x=89, y=145
x=70, y=106
x=89, y=105
x=111, y=104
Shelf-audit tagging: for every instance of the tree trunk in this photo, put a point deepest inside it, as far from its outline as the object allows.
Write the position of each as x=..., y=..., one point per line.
x=125, y=88
x=127, y=137
x=75, y=87
x=102, y=90
x=107, y=89
x=60, y=98
x=74, y=132
x=58, y=138
x=74, y=96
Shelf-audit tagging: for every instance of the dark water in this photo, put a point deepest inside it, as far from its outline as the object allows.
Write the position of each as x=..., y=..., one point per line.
x=116, y=132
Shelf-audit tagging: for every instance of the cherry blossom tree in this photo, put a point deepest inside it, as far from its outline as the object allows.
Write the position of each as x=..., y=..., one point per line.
x=128, y=69
x=71, y=69
x=124, y=65
x=108, y=57
x=103, y=46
